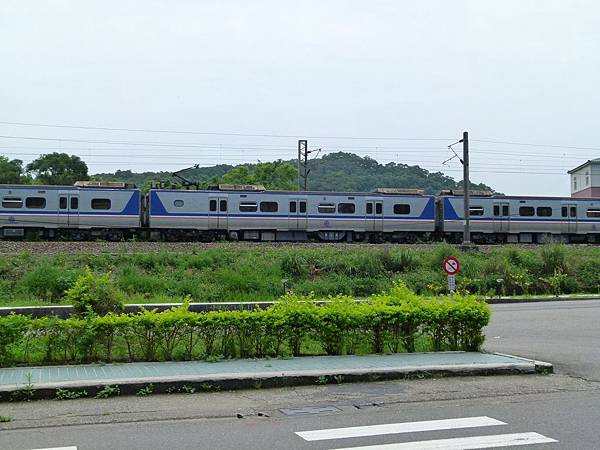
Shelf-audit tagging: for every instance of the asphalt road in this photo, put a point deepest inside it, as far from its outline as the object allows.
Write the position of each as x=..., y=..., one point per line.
x=566, y=334
x=564, y=407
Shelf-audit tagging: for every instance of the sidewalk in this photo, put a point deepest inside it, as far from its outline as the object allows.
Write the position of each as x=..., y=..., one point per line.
x=258, y=373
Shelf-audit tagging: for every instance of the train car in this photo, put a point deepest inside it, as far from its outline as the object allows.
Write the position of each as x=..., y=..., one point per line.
x=519, y=219
x=70, y=212
x=250, y=213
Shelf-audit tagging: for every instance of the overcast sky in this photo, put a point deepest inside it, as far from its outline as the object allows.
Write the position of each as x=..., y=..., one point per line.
x=512, y=71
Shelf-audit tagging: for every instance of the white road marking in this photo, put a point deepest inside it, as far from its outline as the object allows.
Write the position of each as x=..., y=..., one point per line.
x=57, y=448
x=397, y=428
x=475, y=442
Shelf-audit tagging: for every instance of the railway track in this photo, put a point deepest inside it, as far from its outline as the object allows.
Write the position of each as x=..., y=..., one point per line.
x=98, y=247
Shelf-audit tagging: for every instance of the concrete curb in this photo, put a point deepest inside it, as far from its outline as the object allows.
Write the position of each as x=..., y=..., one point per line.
x=64, y=311
x=260, y=380
x=510, y=301
x=540, y=366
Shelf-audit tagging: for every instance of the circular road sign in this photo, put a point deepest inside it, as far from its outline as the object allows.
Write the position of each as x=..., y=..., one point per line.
x=451, y=266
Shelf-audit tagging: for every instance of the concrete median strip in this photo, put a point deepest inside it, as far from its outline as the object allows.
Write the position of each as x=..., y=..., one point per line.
x=257, y=373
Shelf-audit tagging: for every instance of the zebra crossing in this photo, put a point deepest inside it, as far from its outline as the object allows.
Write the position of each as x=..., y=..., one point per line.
x=460, y=443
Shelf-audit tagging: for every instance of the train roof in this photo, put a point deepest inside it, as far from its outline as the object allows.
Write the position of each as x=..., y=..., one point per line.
x=398, y=193
x=525, y=197
x=48, y=187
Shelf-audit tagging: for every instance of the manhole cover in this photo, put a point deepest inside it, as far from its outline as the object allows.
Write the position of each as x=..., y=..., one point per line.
x=309, y=410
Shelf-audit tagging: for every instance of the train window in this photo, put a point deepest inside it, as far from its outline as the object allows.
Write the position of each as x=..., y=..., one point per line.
x=269, y=206
x=35, y=202
x=573, y=211
x=505, y=210
x=326, y=208
x=544, y=211
x=378, y=208
x=178, y=203
x=248, y=207
x=74, y=202
x=292, y=207
x=346, y=208
x=101, y=203
x=401, y=209
x=223, y=205
x=62, y=203
x=476, y=211
x=212, y=205
x=302, y=207
x=496, y=210
x=12, y=202
x=593, y=212
x=527, y=211
x=369, y=208
x=564, y=211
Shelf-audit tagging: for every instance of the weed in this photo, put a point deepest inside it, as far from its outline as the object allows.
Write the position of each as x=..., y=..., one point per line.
x=145, y=391
x=188, y=389
x=65, y=394
x=26, y=393
x=6, y=419
x=323, y=379
x=214, y=358
x=108, y=391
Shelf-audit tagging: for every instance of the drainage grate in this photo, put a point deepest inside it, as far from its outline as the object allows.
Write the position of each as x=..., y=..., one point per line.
x=309, y=410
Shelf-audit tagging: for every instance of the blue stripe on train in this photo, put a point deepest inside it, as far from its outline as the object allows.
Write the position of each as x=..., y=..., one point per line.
x=157, y=209
x=132, y=208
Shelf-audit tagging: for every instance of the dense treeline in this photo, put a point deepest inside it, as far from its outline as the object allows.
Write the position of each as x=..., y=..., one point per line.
x=335, y=171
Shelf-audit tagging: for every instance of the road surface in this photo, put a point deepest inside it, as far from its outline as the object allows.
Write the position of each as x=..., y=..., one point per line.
x=529, y=411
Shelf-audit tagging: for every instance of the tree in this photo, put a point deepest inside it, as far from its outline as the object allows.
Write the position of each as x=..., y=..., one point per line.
x=11, y=171
x=58, y=168
x=277, y=175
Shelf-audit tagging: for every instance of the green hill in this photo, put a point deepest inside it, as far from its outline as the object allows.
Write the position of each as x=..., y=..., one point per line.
x=333, y=172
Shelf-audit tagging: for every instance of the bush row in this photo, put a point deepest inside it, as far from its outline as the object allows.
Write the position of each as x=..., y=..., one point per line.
x=398, y=321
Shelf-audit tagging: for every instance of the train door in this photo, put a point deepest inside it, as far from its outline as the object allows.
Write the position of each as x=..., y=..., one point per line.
x=501, y=217
x=569, y=218
x=375, y=215
x=223, y=217
x=218, y=214
x=68, y=210
x=297, y=218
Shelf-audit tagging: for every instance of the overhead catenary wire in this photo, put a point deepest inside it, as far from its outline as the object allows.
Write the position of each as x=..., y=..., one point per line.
x=287, y=136
x=216, y=133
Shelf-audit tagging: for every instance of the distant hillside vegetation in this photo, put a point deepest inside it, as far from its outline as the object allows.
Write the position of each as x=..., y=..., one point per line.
x=335, y=171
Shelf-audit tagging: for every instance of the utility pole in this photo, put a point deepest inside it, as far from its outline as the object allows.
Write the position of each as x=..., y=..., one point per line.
x=466, y=188
x=303, y=169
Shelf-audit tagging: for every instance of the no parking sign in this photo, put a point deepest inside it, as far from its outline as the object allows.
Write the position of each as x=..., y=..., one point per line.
x=451, y=266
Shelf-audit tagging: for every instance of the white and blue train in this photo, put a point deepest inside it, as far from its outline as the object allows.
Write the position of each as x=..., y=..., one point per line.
x=113, y=212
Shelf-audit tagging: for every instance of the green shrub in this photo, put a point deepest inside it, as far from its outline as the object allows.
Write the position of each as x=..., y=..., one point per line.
x=401, y=260
x=48, y=282
x=295, y=265
x=93, y=294
x=554, y=259
x=396, y=321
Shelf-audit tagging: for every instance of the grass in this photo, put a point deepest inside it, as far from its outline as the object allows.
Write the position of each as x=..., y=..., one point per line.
x=254, y=273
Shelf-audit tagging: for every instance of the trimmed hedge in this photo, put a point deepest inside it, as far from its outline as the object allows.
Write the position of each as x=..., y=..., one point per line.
x=398, y=321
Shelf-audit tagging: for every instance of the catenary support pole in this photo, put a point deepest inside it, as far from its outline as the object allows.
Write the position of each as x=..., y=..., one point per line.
x=466, y=188
x=302, y=149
